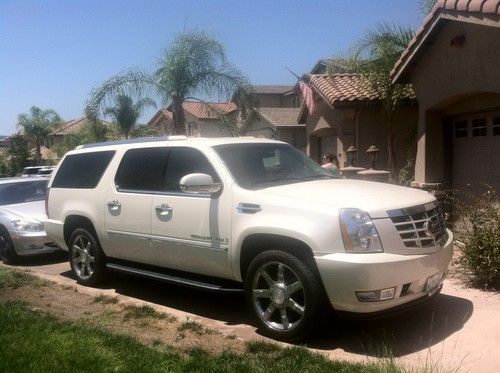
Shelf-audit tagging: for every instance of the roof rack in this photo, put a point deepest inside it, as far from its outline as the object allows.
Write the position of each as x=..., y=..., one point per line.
x=132, y=141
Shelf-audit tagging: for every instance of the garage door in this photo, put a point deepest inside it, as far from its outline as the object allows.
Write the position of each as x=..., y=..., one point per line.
x=328, y=145
x=476, y=152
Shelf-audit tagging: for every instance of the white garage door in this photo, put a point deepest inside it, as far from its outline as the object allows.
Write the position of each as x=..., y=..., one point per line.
x=476, y=152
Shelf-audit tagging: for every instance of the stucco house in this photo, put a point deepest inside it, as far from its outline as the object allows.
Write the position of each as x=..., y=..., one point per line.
x=74, y=126
x=348, y=113
x=453, y=64
x=202, y=119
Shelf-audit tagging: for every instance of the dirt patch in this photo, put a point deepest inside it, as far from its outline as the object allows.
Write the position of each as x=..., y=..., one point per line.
x=142, y=322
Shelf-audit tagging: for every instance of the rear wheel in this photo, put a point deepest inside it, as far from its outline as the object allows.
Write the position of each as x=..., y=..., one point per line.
x=8, y=253
x=86, y=257
x=283, y=293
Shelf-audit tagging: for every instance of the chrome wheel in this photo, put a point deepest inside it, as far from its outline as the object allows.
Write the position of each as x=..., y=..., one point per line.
x=83, y=257
x=278, y=296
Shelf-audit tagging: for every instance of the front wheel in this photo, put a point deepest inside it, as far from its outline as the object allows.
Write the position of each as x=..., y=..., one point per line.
x=283, y=293
x=8, y=253
x=86, y=257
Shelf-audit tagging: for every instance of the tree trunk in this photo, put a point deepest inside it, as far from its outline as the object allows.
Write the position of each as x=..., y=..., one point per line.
x=178, y=116
x=391, y=150
x=38, y=151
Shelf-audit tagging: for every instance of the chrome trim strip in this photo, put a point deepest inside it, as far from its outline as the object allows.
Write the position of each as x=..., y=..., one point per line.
x=128, y=234
x=160, y=193
x=412, y=210
x=248, y=208
x=180, y=241
x=170, y=278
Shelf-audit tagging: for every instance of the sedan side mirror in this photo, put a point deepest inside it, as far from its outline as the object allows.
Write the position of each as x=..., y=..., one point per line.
x=199, y=184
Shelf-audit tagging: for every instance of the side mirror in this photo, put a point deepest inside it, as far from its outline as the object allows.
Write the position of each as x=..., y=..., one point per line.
x=199, y=184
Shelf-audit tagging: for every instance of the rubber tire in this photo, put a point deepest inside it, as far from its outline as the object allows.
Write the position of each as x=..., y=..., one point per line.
x=100, y=270
x=311, y=291
x=12, y=257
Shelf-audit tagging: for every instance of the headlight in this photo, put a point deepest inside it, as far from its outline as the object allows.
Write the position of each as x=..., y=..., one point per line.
x=359, y=232
x=26, y=226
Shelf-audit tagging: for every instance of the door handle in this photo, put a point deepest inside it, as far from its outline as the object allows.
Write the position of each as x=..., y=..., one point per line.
x=114, y=205
x=163, y=209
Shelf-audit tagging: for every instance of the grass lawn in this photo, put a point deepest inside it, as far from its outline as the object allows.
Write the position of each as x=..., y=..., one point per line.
x=34, y=341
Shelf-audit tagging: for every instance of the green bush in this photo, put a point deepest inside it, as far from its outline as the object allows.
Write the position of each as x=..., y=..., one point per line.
x=479, y=219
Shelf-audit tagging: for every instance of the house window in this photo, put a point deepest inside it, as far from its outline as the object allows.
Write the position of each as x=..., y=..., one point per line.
x=496, y=126
x=192, y=129
x=479, y=127
x=461, y=128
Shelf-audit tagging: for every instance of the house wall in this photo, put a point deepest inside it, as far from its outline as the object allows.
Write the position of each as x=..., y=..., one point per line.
x=211, y=127
x=372, y=130
x=450, y=79
x=278, y=100
x=295, y=136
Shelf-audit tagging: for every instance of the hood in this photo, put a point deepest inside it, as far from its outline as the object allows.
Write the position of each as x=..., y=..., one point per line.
x=373, y=197
x=28, y=210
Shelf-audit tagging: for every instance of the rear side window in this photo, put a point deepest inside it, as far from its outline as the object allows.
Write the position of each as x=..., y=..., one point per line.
x=141, y=169
x=183, y=161
x=82, y=171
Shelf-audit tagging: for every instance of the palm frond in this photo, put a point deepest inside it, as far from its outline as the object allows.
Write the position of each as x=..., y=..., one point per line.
x=426, y=6
x=128, y=83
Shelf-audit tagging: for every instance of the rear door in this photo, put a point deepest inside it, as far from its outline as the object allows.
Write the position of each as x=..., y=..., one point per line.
x=191, y=232
x=129, y=204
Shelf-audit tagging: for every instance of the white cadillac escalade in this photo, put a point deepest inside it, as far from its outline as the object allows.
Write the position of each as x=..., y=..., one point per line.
x=245, y=214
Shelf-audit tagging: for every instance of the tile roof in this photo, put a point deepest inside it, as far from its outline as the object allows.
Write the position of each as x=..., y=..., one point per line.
x=73, y=126
x=280, y=117
x=442, y=9
x=160, y=114
x=335, y=88
x=212, y=110
x=272, y=89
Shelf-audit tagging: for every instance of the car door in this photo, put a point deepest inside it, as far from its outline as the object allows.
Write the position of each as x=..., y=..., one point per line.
x=190, y=232
x=129, y=204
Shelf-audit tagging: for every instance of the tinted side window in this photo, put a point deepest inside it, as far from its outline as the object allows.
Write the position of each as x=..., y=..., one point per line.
x=82, y=171
x=141, y=169
x=184, y=161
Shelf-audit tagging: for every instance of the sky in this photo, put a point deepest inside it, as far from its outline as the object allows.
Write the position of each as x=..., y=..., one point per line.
x=52, y=53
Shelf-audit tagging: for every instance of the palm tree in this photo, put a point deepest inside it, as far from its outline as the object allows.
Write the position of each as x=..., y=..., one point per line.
x=426, y=6
x=195, y=64
x=37, y=124
x=125, y=112
x=374, y=56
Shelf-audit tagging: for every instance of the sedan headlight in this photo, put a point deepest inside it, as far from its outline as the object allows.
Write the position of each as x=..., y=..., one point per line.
x=359, y=232
x=26, y=226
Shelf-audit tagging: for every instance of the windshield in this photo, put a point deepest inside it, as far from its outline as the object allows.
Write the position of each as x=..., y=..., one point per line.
x=31, y=170
x=12, y=193
x=262, y=165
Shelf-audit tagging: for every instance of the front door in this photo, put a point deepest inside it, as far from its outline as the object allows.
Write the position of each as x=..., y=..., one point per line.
x=129, y=204
x=190, y=232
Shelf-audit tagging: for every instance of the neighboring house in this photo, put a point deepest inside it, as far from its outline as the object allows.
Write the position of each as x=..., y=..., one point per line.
x=202, y=119
x=279, y=123
x=284, y=96
x=71, y=127
x=453, y=64
x=47, y=154
x=348, y=113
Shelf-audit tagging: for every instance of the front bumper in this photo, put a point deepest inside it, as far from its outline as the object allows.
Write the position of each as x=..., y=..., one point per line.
x=345, y=274
x=32, y=243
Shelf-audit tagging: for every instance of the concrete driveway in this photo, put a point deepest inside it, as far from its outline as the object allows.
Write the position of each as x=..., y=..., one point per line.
x=459, y=329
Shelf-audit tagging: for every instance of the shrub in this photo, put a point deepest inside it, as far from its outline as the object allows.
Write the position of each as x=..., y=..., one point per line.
x=479, y=221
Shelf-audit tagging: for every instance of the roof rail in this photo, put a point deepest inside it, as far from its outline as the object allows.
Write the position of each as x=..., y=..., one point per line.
x=137, y=140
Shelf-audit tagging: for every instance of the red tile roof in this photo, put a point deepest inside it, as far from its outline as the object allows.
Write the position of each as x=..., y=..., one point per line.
x=280, y=117
x=335, y=88
x=443, y=9
x=73, y=126
x=212, y=110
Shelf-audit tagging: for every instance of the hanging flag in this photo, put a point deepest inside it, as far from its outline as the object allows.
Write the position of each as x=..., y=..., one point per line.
x=307, y=94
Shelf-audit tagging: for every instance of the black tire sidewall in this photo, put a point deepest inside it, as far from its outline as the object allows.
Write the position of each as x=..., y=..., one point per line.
x=100, y=262
x=311, y=291
x=12, y=256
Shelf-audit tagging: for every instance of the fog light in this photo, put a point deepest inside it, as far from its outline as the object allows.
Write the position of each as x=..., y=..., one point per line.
x=376, y=295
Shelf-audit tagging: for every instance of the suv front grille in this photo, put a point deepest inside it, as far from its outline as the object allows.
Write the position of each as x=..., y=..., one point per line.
x=420, y=226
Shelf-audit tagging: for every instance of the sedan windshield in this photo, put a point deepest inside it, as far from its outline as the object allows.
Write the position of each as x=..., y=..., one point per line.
x=11, y=193
x=261, y=165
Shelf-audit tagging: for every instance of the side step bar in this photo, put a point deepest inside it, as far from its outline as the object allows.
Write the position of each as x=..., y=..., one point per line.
x=172, y=279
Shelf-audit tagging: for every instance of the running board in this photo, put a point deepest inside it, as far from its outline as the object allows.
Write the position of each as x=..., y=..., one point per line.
x=172, y=279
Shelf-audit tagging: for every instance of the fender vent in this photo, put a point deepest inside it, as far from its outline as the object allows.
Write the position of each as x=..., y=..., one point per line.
x=248, y=208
